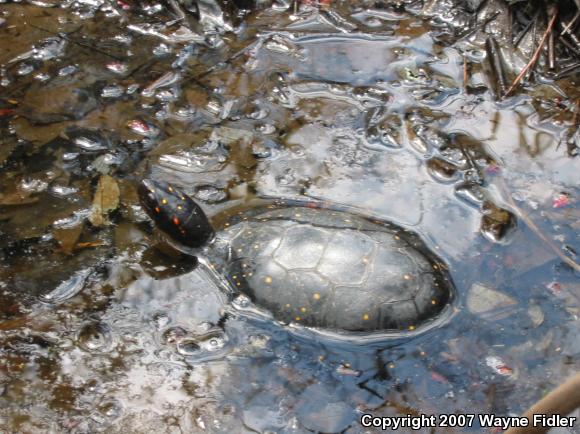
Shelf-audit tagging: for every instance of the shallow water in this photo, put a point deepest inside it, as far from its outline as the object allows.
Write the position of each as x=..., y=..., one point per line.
x=103, y=327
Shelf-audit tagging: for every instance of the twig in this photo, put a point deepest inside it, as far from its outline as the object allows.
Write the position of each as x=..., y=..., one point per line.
x=536, y=54
x=571, y=35
x=81, y=44
x=465, y=73
x=551, y=56
x=477, y=28
x=497, y=66
x=564, y=72
x=568, y=45
x=534, y=228
x=570, y=24
x=575, y=116
x=525, y=30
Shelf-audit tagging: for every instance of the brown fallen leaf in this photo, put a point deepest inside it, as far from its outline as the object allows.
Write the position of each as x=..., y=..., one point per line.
x=106, y=199
x=67, y=238
x=17, y=198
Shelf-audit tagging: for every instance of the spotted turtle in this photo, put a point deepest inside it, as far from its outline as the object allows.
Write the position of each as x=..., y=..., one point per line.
x=319, y=267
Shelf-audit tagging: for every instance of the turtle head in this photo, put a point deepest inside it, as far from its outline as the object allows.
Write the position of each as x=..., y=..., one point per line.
x=175, y=213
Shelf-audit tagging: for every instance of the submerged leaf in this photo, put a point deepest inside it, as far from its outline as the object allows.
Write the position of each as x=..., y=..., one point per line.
x=67, y=238
x=106, y=199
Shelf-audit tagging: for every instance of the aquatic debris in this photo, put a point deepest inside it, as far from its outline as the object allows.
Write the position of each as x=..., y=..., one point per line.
x=68, y=238
x=106, y=199
x=571, y=345
x=17, y=197
x=348, y=371
x=168, y=79
x=555, y=288
x=48, y=103
x=117, y=67
x=143, y=128
x=496, y=222
x=86, y=139
x=530, y=223
x=561, y=201
x=323, y=409
x=534, y=58
x=489, y=303
x=536, y=314
x=69, y=288
x=439, y=378
x=210, y=194
x=499, y=366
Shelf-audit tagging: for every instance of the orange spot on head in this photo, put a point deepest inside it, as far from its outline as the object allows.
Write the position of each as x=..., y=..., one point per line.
x=175, y=221
x=157, y=209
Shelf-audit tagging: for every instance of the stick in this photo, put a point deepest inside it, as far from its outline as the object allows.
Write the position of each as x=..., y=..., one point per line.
x=562, y=401
x=465, y=73
x=551, y=55
x=526, y=29
x=575, y=116
x=81, y=44
x=496, y=63
x=536, y=54
x=530, y=223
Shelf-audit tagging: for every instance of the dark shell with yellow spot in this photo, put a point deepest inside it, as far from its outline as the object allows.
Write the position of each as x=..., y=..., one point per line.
x=335, y=270
x=175, y=213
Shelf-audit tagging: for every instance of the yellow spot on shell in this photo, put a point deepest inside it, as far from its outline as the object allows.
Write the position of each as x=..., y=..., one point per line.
x=366, y=317
x=316, y=296
x=297, y=318
x=179, y=207
x=433, y=301
x=302, y=309
x=268, y=279
x=411, y=327
x=170, y=189
x=164, y=201
x=288, y=305
x=407, y=277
